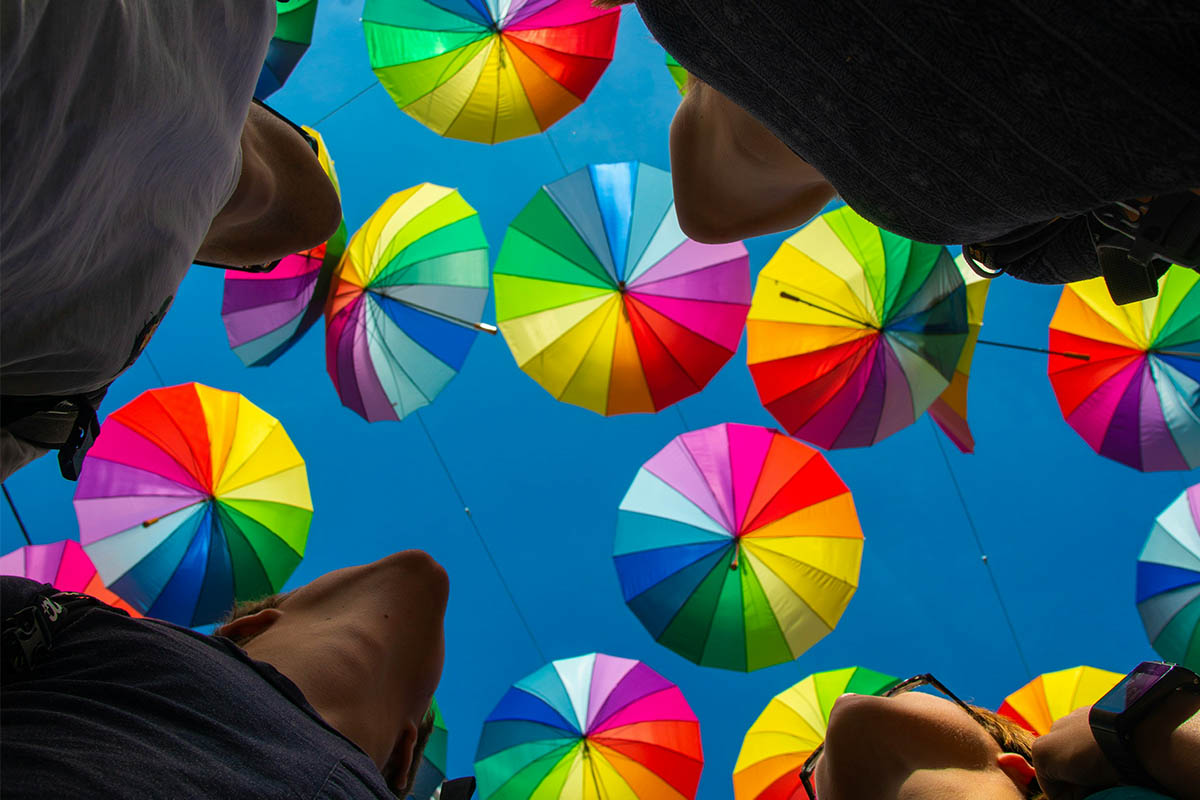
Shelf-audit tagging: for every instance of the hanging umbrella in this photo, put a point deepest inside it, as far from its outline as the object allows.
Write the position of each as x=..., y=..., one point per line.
x=192, y=499
x=406, y=301
x=590, y=728
x=1053, y=695
x=854, y=332
x=293, y=35
x=603, y=300
x=265, y=313
x=432, y=770
x=1137, y=399
x=790, y=728
x=678, y=74
x=63, y=565
x=737, y=547
x=949, y=411
x=1168, y=581
x=488, y=70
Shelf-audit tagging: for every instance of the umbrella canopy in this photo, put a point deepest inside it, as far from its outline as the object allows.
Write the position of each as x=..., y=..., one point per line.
x=1137, y=399
x=594, y=727
x=1053, y=695
x=293, y=35
x=406, y=301
x=488, y=70
x=432, y=770
x=1168, y=581
x=738, y=547
x=678, y=74
x=949, y=411
x=193, y=499
x=854, y=331
x=790, y=728
x=265, y=313
x=606, y=303
x=65, y=566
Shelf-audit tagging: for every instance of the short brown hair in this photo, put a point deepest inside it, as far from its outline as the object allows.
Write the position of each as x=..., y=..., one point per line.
x=1012, y=738
x=245, y=609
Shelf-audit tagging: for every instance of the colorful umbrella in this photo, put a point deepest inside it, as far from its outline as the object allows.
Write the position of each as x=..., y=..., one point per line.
x=293, y=35
x=738, y=547
x=432, y=770
x=1168, y=581
x=790, y=728
x=678, y=74
x=65, y=566
x=1137, y=399
x=1053, y=695
x=405, y=302
x=854, y=331
x=488, y=70
x=265, y=313
x=594, y=727
x=604, y=301
x=192, y=499
x=949, y=411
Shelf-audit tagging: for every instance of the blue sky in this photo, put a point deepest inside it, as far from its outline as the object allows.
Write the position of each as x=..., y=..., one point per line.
x=1061, y=526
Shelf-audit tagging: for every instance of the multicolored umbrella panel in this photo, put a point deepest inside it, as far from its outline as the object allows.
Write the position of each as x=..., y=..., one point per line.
x=596, y=727
x=790, y=728
x=1051, y=696
x=293, y=35
x=432, y=770
x=738, y=547
x=949, y=411
x=265, y=313
x=488, y=70
x=854, y=332
x=63, y=565
x=1136, y=399
x=406, y=300
x=606, y=303
x=193, y=499
x=678, y=74
x=1168, y=581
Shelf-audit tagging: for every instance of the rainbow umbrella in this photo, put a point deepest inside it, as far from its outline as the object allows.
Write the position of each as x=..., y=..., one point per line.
x=193, y=499
x=678, y=74
x=1137, y=399
x=293, y=35
x=488, y=70
x=265, y=313
x=1168, y=581
x=854, y=331
x=737, y=547
x=405, y=302
x=594, y=727
x=1052, y=695
x=603, y=300
x=432, y=770
x=949, y=411
x=65, y=566
x=790, y=728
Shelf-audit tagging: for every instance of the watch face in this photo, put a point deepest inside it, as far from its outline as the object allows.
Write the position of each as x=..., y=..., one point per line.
x=1133, y=687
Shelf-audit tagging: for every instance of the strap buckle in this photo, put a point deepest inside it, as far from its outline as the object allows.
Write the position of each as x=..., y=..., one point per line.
x=81, y=438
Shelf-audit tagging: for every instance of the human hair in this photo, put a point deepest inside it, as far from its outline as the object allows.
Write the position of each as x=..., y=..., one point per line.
x=424, y=730
x=1012, y=738
x=610, y=3
x=245, y=609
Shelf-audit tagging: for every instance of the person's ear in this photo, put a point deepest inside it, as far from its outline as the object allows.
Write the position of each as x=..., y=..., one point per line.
x=249, y=626
x=1017, y=768
x=400, y=764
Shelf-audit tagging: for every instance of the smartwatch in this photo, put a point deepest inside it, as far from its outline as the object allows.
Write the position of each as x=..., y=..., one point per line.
x=1116, y=715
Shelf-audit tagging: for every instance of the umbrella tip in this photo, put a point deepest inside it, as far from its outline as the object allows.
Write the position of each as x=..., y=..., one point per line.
x=486, y=328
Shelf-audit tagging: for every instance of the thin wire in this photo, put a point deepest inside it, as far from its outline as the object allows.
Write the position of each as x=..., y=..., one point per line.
x=13, y=506
x=979, y=544
x=357, y=95
x=150, y=361
x=1063, y=353
x=479, y=535
x=554, y=147
x=682, y=419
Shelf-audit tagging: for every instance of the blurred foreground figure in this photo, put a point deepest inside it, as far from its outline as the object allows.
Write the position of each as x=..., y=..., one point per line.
x=128, y=149
x=321, y=692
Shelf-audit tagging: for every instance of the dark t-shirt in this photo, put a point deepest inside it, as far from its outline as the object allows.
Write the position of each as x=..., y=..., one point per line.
x=123, y=707
x=955, y=121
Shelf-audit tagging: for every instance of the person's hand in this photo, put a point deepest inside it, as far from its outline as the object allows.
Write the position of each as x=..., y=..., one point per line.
x=1069, y=763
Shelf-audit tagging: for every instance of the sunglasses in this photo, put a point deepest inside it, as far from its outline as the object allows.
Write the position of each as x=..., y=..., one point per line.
x=312, y=142
x=908, y=685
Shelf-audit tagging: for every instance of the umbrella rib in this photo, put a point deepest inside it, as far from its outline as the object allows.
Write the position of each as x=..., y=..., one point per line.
x=462, y=323
x=845, y=313
x=374, y=308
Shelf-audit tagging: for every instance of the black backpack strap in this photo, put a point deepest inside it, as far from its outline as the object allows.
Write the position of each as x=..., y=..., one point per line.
x=68, y=424
x=29, y=633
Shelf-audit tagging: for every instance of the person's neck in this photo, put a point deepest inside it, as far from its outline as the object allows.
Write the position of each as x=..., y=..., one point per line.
x=340, y=672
